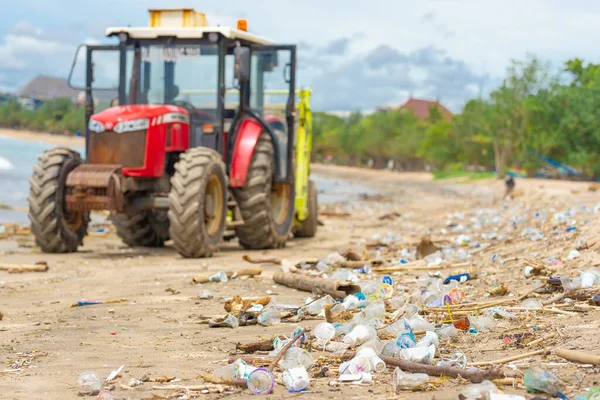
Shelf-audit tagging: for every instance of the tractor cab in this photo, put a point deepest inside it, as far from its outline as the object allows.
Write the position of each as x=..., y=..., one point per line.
x=194, y=141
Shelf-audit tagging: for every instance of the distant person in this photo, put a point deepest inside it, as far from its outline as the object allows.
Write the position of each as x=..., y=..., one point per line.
x=370, y=163
x=509, y=182
x=78, y=133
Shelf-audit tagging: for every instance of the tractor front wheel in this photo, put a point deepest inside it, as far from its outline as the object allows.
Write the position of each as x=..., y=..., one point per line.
x=146, y=229
x=55, y=229
x=308, y=227
x=198, y=203
x=267, y=207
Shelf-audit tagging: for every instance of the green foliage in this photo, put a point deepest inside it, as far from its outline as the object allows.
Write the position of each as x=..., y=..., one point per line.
x=55, y=116
x=532, y=111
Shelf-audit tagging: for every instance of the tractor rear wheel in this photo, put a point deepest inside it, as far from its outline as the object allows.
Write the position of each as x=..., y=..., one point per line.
x=55, y=229
x=145, y=229
x=267, y=208
x=308, y=227
x=198, y=202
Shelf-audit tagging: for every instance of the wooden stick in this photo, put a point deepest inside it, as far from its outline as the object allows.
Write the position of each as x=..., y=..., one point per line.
x=578, y=356
x=508, y=359
x=18, y=269
x=337, y=289
x=207, y=386
x=552, y=310
x=432, y=370
x=329, y=213
x=286, y=348
x=540, y=340
x=507, y=381
x=251, y=260
x=203, y=278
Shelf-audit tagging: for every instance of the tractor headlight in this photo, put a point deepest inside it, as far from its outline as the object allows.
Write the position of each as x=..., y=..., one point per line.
x=95, y=126
x=130, y=126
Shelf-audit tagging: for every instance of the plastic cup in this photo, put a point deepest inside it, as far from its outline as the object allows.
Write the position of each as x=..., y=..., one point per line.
x=261, y=381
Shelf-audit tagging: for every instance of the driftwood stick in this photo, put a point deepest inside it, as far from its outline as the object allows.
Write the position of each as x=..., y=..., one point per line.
x=337, y=289
x=286, y=348
x=252, y=260
x=508, y=359
x=203, y=278
x=208, y=386
x=540, y=340
x=432, y=370
x=18, y=269
x=578, y=356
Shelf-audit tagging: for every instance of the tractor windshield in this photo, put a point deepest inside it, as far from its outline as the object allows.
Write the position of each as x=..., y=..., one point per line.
x=179, y=74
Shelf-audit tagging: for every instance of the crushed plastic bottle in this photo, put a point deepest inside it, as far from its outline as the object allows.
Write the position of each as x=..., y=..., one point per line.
x=227, y=372
x=261, y=381
x=498, y=310
x=456, y=360
x=418, y=323
x=230, y=321
x=269, y=316
x=220, y=276
x=406, y=381
x=482, y=323
x=296, y=379
x=296, y=357
x=205, y=294
x=359, y=335
x=421, y=355
x=89, y=382
x=429, y=339
x=532, y=304
x=590, y=278
x=447, y=331
x=536, y=379
x=318, y=306
x=478, y=391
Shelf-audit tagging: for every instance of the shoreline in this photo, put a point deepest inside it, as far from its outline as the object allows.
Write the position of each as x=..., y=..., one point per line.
x=59, y=140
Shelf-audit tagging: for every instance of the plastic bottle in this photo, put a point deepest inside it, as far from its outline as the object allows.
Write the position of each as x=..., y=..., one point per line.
x=220, y=276
x=296, y=357
x=269, y=316
x=226, y=373
x=429, y=339
x=261, y=381
x=478, y=391
x=351, y=302
x=89, y=382
x=482, y=323
x=324, y=332
x=374, y=310
x=421, y=355
x=359, y=335
x=538, y=379
x=447, y=331
x=589, y=278
x=316, y=307
x=403, y=381
x=296, y=379
x=418, y=323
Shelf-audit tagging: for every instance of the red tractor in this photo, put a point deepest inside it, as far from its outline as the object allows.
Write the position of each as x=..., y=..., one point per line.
x=191, y=148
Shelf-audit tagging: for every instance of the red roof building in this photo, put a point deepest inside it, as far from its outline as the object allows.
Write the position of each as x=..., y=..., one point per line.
x=422, y=108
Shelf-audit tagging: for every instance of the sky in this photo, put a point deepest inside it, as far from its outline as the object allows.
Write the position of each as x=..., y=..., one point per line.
x=354, y=54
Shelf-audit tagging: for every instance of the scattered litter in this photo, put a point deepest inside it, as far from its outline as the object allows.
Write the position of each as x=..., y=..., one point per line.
x=82, y=303
x=537, y=379
x=223, y=276
x=89, y=383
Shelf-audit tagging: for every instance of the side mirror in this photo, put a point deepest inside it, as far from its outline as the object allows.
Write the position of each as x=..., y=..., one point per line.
x=242, y=64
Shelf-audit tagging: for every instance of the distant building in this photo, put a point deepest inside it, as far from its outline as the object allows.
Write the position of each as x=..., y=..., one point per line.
x=422, y=108
x=47, y=87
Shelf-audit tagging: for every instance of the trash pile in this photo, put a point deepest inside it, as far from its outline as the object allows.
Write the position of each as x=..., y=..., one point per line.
x=394, y=314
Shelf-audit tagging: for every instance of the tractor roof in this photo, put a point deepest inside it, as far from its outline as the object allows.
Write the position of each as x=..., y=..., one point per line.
x=185, y=23
x=188, y=33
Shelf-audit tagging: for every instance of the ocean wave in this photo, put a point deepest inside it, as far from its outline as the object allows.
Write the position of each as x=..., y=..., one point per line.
x=5, y=165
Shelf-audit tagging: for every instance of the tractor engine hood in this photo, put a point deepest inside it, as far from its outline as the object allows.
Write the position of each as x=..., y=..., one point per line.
x=148, y=115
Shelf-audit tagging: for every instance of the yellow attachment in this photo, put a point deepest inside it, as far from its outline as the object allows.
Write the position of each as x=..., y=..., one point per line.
x=242, y=25
x=303, y=150
x=176, y=18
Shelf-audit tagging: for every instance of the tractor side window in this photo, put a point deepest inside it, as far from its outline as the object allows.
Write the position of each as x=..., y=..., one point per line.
x=269, y=94
x=232, y=93
x=106, y=78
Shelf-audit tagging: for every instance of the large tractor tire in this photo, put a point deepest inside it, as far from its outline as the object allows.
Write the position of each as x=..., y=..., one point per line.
x=144, y=229
x=308, y=227
x=198, y=203
x=267, y=208
x=55, y=229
